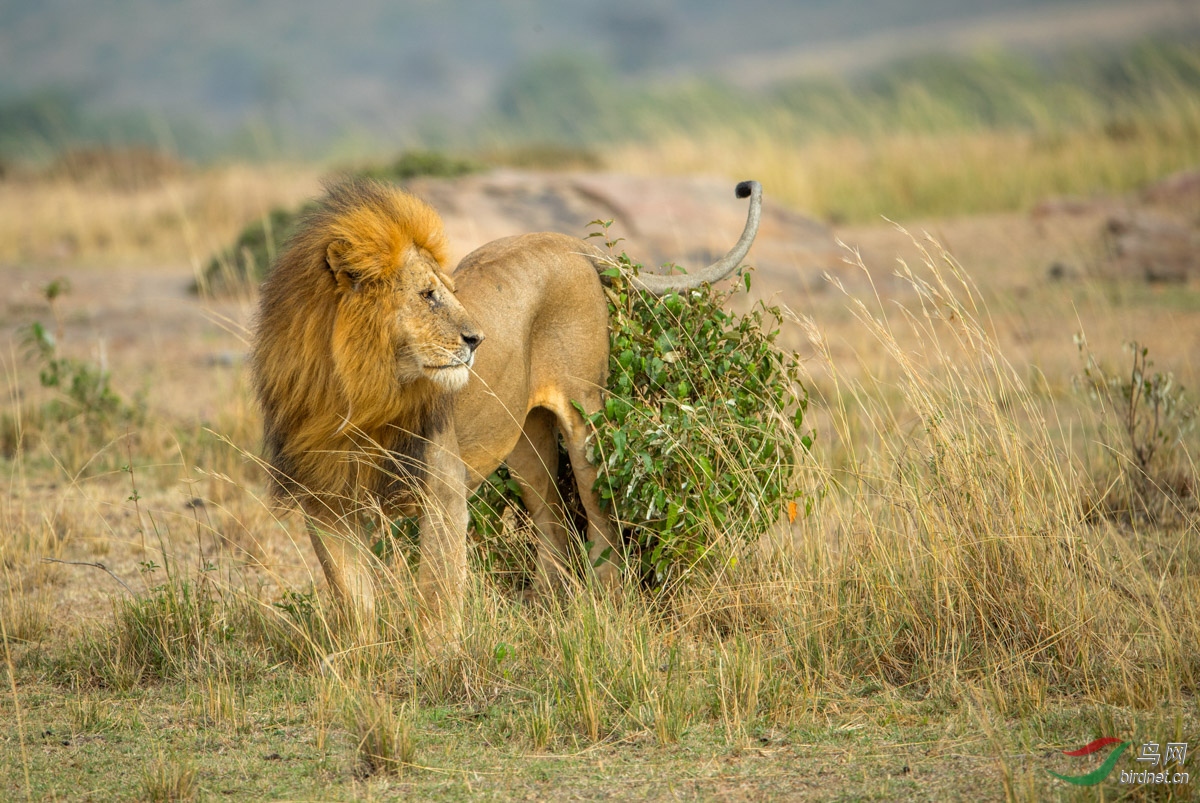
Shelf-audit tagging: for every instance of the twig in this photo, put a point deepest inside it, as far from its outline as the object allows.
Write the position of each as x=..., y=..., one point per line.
x=95, y=565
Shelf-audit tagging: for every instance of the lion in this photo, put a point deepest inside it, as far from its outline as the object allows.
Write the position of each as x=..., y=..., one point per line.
x=387, y=383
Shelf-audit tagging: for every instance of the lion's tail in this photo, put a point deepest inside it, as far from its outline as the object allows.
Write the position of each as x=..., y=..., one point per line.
x=660, y=285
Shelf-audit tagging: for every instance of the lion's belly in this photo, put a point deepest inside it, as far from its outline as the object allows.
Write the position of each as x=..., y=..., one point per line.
x=480, y=465
x=484, y=451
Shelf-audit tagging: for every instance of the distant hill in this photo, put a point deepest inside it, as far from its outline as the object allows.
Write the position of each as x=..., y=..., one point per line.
x=311, y=75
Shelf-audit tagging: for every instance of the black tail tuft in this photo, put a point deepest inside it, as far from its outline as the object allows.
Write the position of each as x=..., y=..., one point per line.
x=744, y=188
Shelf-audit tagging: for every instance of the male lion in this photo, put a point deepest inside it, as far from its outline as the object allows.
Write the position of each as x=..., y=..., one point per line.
x=362, y=364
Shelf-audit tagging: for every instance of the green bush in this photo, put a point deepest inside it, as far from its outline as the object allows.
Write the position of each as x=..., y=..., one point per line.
x=413, y=164
x=702, y=427
x=249, y=258
x=700, y=432
x=85, y=386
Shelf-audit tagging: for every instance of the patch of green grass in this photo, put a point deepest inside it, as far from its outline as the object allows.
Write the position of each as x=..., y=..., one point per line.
x=386, y=742
x=169, y=779
x=416, y=163
x=877, y=746
x=246, y=261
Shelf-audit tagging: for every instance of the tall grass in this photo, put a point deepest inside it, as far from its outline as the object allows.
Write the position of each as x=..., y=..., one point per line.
x=963, y=550
x=951, y=563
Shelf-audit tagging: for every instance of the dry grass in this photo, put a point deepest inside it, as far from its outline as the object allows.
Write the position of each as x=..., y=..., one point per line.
x=180, y=218
x=968, y=549
x=948, y=608
x=900, y=176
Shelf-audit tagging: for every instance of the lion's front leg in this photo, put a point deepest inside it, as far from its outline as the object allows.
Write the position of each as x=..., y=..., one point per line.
x=346, y=561
x=442, y=576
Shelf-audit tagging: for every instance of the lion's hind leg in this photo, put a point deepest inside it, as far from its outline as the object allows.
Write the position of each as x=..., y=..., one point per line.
x=605, y=555
x=534, y=465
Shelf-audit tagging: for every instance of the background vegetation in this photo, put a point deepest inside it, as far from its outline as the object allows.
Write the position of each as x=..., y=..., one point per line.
x=936, y=135
x=248, y=79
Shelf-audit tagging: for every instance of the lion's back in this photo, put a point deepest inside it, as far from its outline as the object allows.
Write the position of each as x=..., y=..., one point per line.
x=531, y=284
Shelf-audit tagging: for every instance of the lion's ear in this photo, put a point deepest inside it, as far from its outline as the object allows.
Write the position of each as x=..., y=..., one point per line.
x=337, y=256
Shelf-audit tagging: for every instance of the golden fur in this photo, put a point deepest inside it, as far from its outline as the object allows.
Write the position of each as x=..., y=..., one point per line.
x=361, y=361
x=332, y=318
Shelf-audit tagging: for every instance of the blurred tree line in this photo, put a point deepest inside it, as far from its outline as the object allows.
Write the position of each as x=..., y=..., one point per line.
x=578, y=99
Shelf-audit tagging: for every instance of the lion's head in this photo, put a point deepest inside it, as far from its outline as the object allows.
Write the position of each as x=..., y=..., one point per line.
x=358, y=330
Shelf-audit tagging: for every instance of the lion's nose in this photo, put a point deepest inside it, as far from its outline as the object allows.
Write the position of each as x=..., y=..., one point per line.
x=472, y=339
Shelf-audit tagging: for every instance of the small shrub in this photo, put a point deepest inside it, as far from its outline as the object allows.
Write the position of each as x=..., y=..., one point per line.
x=416, y=163
x=702, y=427
x=84, y=385
x=700, y=433
x=85, y=391
x=247, y=261
x=1145, y=417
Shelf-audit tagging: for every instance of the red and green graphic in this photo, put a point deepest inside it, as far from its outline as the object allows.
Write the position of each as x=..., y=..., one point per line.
x=1100, y=773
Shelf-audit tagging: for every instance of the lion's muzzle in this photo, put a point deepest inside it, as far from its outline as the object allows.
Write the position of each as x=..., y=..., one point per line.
x=456, y=371
x=471, y=338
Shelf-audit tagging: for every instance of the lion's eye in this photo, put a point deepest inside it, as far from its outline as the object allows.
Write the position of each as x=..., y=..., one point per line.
x=428, y=295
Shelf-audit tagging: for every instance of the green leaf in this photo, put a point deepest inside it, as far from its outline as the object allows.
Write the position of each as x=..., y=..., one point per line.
x=672, y=515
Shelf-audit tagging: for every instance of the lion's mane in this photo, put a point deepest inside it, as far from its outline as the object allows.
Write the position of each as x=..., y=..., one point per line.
x=331, y=427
